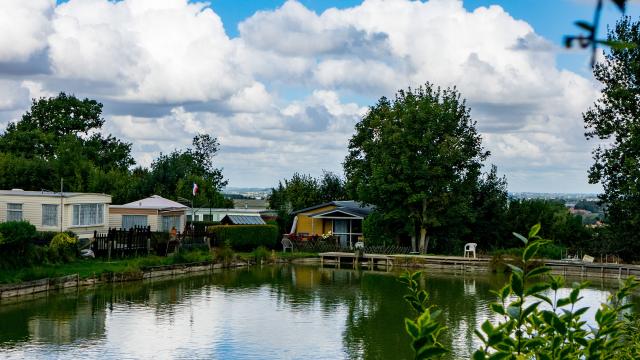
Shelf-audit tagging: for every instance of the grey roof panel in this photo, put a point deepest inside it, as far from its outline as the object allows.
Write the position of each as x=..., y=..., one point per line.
x=245, y=220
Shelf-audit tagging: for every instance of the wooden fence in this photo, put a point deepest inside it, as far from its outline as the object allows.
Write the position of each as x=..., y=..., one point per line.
x=121, y=242
x=320, y=246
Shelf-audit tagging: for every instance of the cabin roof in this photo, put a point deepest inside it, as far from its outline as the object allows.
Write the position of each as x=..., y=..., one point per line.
x=153, y=202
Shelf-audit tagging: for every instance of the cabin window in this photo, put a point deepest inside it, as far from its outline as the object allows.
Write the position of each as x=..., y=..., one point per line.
x=88, y=214
x=49, y=215
x=207, y=217
x=14, y=212
x=133, y=221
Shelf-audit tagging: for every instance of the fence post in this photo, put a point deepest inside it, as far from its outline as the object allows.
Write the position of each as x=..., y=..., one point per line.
x=109, y=242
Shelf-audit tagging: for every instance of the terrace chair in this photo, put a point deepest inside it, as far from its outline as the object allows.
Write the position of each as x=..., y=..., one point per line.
x=470, y=248
x=287, y=244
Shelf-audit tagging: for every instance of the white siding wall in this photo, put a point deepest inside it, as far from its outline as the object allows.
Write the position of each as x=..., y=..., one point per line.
x=115, y=221
x=154, y=222
x=32, y=211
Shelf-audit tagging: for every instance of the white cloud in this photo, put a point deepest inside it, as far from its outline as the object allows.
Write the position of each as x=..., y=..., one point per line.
x=150, y=51
x=24, y=26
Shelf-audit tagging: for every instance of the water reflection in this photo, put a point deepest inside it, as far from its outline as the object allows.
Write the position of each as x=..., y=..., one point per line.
x=286, y=312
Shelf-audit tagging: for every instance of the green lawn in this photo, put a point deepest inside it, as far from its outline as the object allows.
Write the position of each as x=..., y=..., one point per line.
x=87, y=268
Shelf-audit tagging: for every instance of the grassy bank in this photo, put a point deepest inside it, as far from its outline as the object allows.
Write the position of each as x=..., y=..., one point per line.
x=249, y=256
x=87, y=268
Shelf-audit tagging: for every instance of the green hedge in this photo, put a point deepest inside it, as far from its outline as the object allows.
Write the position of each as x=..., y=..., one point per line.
x=245, y=237
x=201, y=226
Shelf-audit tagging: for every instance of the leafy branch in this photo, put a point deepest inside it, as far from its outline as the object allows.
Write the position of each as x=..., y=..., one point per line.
x=590, y=39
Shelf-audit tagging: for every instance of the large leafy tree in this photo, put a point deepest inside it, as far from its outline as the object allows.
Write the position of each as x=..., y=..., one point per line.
x=58, y=126
x=59, y=138
x=417, y=158
x=614, y=119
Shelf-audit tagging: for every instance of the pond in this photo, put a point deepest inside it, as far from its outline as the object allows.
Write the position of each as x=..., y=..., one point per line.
x=271, y=312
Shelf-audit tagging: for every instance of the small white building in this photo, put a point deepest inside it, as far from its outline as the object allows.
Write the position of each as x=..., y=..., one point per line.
x=155, y=211
x=82, y=213
x=217, y=214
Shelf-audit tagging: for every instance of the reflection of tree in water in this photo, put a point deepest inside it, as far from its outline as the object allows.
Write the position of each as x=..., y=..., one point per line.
x=59, y=319
x=375, y=327
x=375, y=321
x=464, y=300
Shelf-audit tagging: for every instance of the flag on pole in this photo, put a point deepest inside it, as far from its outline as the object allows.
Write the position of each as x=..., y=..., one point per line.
x=195, y=189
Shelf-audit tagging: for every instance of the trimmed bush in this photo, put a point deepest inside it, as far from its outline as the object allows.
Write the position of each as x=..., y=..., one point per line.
x=245, y=237
x=64, y=246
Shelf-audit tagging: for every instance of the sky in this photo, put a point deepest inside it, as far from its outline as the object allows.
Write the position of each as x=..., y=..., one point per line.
x=281, y=84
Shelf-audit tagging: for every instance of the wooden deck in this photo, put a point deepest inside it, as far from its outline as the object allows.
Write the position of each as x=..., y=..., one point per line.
x=371, y=260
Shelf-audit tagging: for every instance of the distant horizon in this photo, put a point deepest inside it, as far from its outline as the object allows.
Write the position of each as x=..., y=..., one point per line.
x=258, y=188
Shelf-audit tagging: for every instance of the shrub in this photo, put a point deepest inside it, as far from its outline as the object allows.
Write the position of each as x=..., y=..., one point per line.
x=64, y=246
x=45, y=237
x=16, y=244
x=245, y=237
x=261, y=253
x=192, y=256
x=533, y=320
x=225, y=253
x=17, y=233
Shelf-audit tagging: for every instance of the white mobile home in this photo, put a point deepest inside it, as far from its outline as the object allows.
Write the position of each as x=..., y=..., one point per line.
x=82, y=213
x=155, y=211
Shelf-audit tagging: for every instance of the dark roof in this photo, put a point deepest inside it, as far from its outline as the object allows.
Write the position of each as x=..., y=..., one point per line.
x=243, y=220
x=350, y=206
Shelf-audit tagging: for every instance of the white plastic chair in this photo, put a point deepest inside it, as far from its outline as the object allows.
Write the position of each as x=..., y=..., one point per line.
x=470, y=248
x=286, y=244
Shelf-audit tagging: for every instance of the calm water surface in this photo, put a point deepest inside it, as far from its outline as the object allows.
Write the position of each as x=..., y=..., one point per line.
x=287, y=312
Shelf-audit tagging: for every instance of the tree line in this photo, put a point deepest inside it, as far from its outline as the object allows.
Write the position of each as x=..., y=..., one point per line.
x=60, y=138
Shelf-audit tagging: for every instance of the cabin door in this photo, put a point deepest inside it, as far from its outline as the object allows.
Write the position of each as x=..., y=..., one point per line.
x=341, y=231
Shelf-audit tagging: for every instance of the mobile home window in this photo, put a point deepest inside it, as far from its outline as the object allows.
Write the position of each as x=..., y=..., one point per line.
x=88, y=214
x=169, y=222
x=132, y=221
x=49, y=215
x=14, y=212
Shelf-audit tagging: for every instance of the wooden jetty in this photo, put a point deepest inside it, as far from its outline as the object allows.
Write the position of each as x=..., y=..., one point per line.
x=587, y=269
x=354, y=259
x=459, y=263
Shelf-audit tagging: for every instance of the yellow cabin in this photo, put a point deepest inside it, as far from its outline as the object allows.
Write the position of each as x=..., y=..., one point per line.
x=342, y=219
